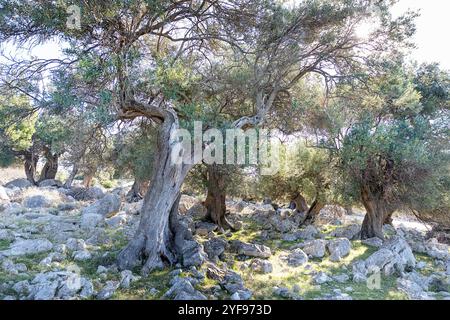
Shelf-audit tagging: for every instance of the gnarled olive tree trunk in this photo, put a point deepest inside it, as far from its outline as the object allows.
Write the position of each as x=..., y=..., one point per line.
x=300, y=202
x=215, y=199
x=314, y=210
x=73, y=173
x=156, y=242
x=137, y=191
x=376, y=213
x=30, y=164
x=50, y=168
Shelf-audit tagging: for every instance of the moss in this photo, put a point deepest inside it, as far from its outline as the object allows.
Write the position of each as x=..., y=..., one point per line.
x=4, y=244
x=140, y=289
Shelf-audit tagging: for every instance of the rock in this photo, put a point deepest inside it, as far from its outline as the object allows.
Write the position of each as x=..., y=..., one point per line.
x=233, y=283
x=19, y=183
x=117, y=221
x=102, y=269
x=108, y=290
x=315, y=248
x=90, y=221
x=412, y=289
x=10, y=267
x=29, y=246
x=350, y=232
x=22, y=288
x=250, y=249
x=83, y=194
x=73, y=244
x=3, y=195
x=308, y=233
x=215, y=248
x=182, y=289
x=437, y=250
x=37, y=201
x=197, y=211
x=297, y=258
x=192, y=253
x=373, y=242
x=69, y=206
x=82, y=255
x=126, y=278
x=321, y=278
x=341, y=278
x=105, y=207
x=50, y=183
x=282, y=224
x=339, y=248
x=330, y=214
x=282, y=292
x=261, y=266
x=13, y=208
x=204, y=228
x=6, y=235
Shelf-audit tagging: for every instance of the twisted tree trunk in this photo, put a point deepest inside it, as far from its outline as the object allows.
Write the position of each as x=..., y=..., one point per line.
x=215, y=200
x=300, y=203
x=73, y=173
x=376, y=213
x=30, y=165
x=313, y=211
x=137, y=190
x=156, y=242
x=50, y=168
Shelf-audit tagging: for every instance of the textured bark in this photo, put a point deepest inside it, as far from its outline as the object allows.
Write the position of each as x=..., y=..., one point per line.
x=73, y=173
x=137, y=191
x=30, y=165
x=313, y=211
x=300, y=203
x=215, y=200
x=50, y=168
x=376, y=213
x=87, y=180
x=156, y=243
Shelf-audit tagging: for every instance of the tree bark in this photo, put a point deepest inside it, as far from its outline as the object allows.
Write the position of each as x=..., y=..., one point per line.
x=376, y=214
x=50, y=168
x=215, y=199
x=87, y=180
x=313, y=211
x=30, y=165
x=300, y=203
x=156, y=242
x=137, y=190
x=73, y=173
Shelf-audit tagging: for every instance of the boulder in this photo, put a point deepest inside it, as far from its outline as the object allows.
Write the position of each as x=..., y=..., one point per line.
x=373, y=242
x=215, y=247
x=261, y=266
x=90, y=221
x=204, y=228
x=19, y=183
x=350, y=232
x=296, y=258
x=315, y=248
x=339, y=248
x=105, y=207
x=192, y=253
x=233, y=283
x=29, y=246
x=308, y=233
x=321, y=278
x=182, y=289
x=50, y=183
x=250, y=249
x=108, y=290
x=37, y=201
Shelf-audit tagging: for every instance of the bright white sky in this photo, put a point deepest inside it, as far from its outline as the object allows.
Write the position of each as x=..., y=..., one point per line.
x=431, y=37
x=433, y=24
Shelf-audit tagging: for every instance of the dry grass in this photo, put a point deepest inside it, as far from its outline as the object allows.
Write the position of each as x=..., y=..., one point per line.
x=11, y=173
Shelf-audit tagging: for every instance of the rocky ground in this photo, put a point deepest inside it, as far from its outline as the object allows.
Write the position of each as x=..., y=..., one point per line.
x=62, y=244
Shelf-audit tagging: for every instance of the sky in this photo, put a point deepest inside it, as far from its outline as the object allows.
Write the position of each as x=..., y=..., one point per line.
x=433, y=28
x=431, y=37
